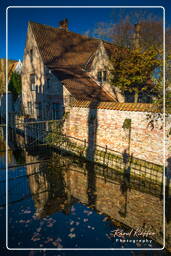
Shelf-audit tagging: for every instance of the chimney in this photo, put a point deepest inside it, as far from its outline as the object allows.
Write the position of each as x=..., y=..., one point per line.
x=136, y=36
x=63, y=24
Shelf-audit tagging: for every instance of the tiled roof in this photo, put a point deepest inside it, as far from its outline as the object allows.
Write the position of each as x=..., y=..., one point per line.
x=138, y=107
x=65, y=53
x=80, y=85
x=58, y=47
x=112, y=49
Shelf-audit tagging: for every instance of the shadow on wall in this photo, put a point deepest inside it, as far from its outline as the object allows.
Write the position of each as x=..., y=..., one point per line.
x=127, y=160
x=90, y=153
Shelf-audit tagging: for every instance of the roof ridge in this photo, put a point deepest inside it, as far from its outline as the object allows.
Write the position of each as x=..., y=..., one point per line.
x=85, y=36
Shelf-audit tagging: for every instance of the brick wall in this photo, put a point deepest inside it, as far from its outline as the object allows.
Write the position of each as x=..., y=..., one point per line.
x=105, y=126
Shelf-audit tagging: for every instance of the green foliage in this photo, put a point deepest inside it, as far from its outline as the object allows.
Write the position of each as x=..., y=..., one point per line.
x=160, y=88
x=15, y=84
x=2, y=86
x=133, y=68
x=55, y=136
x=127, y=124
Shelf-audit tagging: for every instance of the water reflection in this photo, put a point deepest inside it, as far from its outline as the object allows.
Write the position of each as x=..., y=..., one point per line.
x=49, y=187
x=64, y=185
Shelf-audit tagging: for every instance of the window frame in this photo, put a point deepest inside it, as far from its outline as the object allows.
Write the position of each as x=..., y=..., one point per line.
x=102, y=76
x=99, y=76
x=32, y=82
x=30, y=107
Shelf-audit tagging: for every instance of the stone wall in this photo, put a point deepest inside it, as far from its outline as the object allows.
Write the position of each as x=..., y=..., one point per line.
x=31, y=65
x=105, y=127
x=48, y=89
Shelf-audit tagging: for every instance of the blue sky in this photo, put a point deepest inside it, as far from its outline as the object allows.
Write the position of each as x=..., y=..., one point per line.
x=80, y=20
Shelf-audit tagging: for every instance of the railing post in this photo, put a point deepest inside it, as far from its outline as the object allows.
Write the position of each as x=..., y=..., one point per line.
x=105, y=154
x=104, y=158
x=25, y=134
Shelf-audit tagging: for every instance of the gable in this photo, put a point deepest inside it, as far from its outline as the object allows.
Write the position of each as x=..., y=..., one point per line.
x=65, y=54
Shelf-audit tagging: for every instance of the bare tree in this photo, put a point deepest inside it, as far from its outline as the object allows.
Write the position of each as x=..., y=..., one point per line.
x=121, y=30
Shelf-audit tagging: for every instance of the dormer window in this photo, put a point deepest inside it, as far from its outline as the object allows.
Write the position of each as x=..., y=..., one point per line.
x=99, y=76
x=32, y=82
x=102, y=76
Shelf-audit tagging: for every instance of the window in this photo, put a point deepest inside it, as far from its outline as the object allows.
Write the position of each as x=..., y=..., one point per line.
x=102, y=76
x=31, y=55
x=30, y=107
x=38, y=106
x=55, y=111
x=32, y=82
x=99, y=76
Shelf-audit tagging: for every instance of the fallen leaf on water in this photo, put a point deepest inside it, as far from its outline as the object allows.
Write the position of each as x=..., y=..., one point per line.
x=89, y=213
x=38, y=229
x=71, y=235
x=34, y=239
x=72, y=229
x=55, y=243
x=21, y=221
x=49, y=239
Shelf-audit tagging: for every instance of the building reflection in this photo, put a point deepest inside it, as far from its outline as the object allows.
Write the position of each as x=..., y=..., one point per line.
x=57, y=184
x=48, y=186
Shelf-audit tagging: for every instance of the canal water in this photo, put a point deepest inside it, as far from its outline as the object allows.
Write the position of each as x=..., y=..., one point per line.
x=59, y=201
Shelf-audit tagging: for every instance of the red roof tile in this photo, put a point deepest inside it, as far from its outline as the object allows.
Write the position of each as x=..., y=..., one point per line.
x=80, y=85
x=138, y=107
x=58, y=47
x=65, y=53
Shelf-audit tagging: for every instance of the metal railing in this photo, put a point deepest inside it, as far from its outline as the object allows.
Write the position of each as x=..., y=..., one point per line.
x=36, y=133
